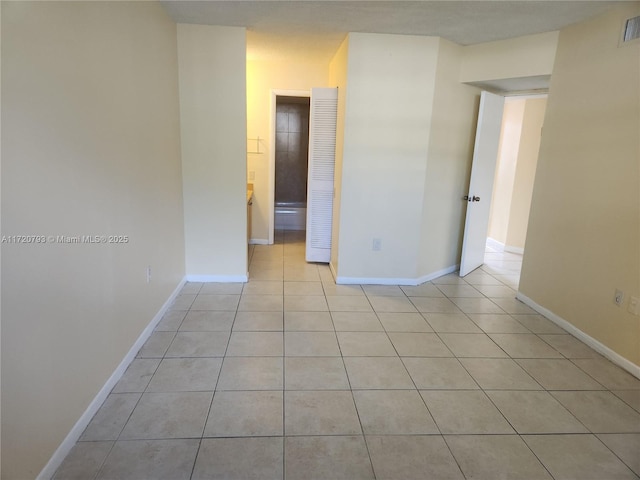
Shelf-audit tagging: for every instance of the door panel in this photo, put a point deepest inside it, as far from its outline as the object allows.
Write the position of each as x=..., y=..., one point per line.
x=322, y=150
x=485, y=155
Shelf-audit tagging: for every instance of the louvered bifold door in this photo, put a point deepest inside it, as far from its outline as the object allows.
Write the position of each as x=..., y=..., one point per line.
x=322, y=158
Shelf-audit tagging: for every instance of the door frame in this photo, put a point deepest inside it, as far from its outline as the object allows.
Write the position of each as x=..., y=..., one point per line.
x=272, y=150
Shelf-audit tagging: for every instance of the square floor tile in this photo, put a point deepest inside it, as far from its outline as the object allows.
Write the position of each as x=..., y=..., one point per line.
x=383, y=290
x=522, y=345
x=110, y=419
x=186, y=375
x=251, y=373
x=412, y=457
x=626, y=446
x=168, y=415
x=419, y=345
x=391, y=304
x=497, y=323
x=464, y=412
x=434, y=305
x=263, y=287
x=245, y=414
x=569, y=346
x=305, y=303
x=377, y=373
x=207, y=321
x=83, y=461
x=258, y=321
x=535, y=412
x=191, y=288
x=608, y=374
x=306, y=273
x=247, y=458
x=404, y=322
x=137, y=376
x=183, y=302
x=581, y=457
x=357, y=344
x=198, y=344
x=332, y=290
x=496, y=291
x=171, y=321
x=320, y=413
x=559, y=374
x=538, y=324
x=308, y=321
x=489, y=457
x=393, y=412
x=513, y=306
x=156, y=345
x=315, y=373
x=451, y=323
x=303, y=288
x=328, y=457
x=216, y=302
x=499, y=374
x=158, y=459
x=424, y=290
x=449, y=279
x=311, y=344
x=213, y=288
x=477, y=305
x=439, y=374
x=261, y=303
x=349, y=303
x=630, y=397
x=255, y=344
x=600, y=412
x=356, y=322
x=460, y=290
x=472, y=345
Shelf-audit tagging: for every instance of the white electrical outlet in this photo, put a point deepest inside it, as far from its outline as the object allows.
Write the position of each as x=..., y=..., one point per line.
x=634, y=305
x=618, y=298
x=149, y=274
x=377, y=244
x=252, y=176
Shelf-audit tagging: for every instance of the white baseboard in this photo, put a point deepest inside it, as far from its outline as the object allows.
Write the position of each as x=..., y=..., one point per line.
x=218, y=278
x=495, y=244
x=619, y=360
x=517, y=250
x=393, y=281
x=259, y=241
x=72, y=437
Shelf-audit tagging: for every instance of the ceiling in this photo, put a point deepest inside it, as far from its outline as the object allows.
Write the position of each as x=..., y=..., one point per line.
x=315, y=29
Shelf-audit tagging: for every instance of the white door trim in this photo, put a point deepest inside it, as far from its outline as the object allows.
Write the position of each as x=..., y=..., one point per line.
x=272, y=149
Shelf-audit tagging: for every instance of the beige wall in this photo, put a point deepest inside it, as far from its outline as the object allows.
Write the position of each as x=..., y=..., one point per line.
x=262, y=78
x=532, y=120
x=90, y=146
x=506, y=169
x=526, y=56
x=338, y=77
x=213, y=123
x=387, y=122
x=453, y=122
x=584, y=228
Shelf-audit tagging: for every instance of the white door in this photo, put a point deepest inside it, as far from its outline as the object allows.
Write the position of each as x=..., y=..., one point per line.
x=322, y=158
x=485, y=155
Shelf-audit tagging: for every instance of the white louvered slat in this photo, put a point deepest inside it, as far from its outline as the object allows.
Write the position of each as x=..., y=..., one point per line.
x=322, y=148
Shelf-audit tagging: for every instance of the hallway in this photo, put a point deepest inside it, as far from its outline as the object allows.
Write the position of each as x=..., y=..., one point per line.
x=291, y=376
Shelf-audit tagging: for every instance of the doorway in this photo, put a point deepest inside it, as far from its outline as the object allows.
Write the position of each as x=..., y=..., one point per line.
x=291, y=162
x=513, y=186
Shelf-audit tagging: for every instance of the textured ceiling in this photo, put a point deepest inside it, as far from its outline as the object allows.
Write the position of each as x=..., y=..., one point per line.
x=316, y=28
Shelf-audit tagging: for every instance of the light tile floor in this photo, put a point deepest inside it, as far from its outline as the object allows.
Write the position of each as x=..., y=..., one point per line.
x=291, y=376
